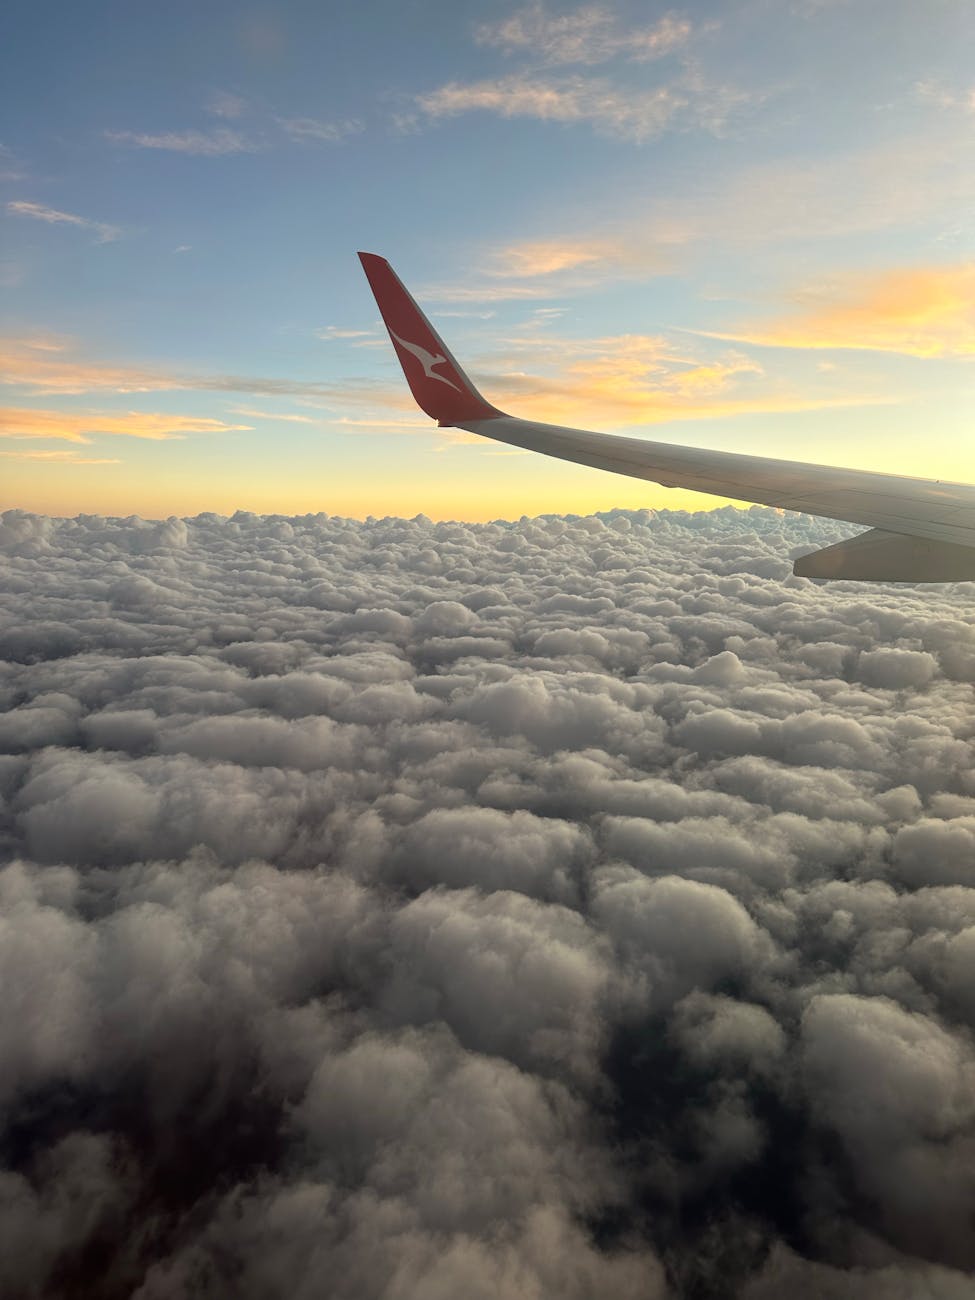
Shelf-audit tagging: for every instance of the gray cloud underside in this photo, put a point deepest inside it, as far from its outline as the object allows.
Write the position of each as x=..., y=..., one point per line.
x=578, y=908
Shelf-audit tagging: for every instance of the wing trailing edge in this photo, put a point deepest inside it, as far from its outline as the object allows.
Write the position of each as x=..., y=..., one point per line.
x=922, y=530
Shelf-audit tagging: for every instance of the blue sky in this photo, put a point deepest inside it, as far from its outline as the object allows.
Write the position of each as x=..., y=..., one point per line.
x=741, y=225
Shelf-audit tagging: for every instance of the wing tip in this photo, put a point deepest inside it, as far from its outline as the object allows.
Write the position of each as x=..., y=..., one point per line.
x=439, y=385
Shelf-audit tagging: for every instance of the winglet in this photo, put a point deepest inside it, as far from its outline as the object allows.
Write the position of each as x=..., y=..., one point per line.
x=436, y=380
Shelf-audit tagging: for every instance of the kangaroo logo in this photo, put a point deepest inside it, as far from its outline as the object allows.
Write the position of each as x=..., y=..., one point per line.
x=427, y=360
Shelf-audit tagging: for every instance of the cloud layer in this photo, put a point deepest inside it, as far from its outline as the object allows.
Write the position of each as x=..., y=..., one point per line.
x=577, y=907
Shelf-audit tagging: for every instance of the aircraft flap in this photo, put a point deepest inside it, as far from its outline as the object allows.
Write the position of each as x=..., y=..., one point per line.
x=879, y=556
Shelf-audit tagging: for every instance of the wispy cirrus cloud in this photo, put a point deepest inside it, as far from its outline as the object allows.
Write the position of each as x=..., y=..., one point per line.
x=482, y=293
x=619, y=381
x=549, y=256
x=218, y=141
x=81, y=426
x=468, y=314
x=226, y=105
x=641, y=380
x=289, y=417
x=104, y=233
x=530, y=269
x=896, y=185
x=588, y=35
x=611, y=104
x=334, y=332
x=380, y=425
x=44, y=366
x=594, y=102
x=599, y=102
x=203, y=144
x=943, y=95
x=10, y=167
x=919, y=311
x=306, y=130
x=582, y=260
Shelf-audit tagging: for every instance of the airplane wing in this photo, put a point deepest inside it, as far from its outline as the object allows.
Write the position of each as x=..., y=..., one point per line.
x=921, y=530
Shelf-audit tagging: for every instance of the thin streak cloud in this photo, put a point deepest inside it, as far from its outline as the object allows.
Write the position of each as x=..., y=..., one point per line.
x=330, y=332
x=203, y=144
x=482, y=293
x=54, y=369
x=105, y=233
x=597, y=103
x=309, y=129
x=289, y=418
x=10, y=167
x=59, y=457
x=80, y=426
x=549, y=256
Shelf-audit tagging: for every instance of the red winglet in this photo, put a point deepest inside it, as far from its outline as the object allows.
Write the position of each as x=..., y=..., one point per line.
x=436, y=380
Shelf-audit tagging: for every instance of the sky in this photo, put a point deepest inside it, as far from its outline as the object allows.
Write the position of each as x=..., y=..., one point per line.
x=744, y=225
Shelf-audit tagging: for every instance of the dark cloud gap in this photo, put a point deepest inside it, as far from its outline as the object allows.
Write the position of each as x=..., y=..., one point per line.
x=170, y=1176
x=712, y=1228
x=575, y=906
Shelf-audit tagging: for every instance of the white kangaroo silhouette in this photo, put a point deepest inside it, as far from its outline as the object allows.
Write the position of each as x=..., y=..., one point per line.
x=427, y=360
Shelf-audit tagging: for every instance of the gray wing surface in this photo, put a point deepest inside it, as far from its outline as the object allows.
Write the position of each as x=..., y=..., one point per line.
x=921, y=530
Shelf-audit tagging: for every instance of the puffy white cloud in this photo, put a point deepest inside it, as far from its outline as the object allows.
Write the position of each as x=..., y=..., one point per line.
x=508, y=975
x=896, y=669
x=573, y=907
x=681, y=934
x=545, y=858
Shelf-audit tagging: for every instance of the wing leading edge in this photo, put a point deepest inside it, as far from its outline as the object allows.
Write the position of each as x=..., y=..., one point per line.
x=922, y=530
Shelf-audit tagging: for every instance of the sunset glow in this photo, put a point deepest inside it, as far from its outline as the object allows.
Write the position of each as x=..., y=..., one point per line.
x=700, y=225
